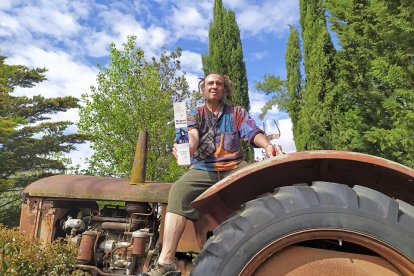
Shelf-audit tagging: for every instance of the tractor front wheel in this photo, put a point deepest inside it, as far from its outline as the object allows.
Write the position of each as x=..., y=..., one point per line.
x=323, y=229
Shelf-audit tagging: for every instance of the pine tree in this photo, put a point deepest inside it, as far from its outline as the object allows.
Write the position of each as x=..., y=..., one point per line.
x=275, y=87
x=294, y=79
x=316, y=118
x=30, y=146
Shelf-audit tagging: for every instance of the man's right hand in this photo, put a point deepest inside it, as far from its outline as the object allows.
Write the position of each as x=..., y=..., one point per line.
x=175, y=150
x=194, y=139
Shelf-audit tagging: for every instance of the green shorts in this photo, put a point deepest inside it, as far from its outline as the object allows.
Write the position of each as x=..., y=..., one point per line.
x=192, y=184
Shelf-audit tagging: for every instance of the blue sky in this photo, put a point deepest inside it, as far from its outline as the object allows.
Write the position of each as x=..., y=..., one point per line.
x=69, y=37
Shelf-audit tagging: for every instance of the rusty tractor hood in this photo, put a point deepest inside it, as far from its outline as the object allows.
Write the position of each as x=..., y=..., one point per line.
x=82, y=187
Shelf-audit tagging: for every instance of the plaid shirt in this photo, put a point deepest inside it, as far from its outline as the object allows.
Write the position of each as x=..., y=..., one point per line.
x=219, y=147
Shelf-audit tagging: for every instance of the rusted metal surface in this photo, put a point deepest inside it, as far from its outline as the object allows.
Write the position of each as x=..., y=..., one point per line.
x=299, y=261
x=184, y=266
x=29, y=216
x=38, y=218
x=349, y=168
x=46, y=224
x=194, y=234
x=140, y=159
x=97, y=188
x=278, y=256
x=96, y=271
x=86, y=248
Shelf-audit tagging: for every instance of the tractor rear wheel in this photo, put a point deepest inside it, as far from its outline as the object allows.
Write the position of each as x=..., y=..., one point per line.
x=326, y=228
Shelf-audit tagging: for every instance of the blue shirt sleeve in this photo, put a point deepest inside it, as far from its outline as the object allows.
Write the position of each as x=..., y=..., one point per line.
x=192, y=119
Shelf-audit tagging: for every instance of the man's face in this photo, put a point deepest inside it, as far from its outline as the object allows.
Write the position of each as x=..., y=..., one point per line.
x=213, y=87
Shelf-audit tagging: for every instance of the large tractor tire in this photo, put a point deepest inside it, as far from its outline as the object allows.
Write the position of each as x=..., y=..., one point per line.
x=365, y=228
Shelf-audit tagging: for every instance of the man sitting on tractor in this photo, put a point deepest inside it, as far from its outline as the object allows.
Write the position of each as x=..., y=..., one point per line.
x=215, y=130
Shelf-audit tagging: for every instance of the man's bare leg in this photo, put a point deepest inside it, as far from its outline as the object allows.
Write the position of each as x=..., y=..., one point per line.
x=173, y=229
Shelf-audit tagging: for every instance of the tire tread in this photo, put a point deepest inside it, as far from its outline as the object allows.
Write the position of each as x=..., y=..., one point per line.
x=287, y=201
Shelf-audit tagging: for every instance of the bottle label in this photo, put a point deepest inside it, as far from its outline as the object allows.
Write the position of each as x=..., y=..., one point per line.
x=181, y=134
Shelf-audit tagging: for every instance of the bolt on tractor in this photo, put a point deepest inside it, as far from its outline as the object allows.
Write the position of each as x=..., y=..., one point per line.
x=302, y=213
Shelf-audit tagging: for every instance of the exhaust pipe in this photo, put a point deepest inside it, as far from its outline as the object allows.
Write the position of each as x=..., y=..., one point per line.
x=140, y=160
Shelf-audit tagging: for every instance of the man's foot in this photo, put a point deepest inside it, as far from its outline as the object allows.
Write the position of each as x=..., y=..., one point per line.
x=158, y=269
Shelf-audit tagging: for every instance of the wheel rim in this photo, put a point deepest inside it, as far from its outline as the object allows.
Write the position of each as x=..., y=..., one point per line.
x=268, y=257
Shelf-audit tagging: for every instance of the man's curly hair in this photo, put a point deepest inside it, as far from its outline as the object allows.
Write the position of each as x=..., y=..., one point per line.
x=228, y=85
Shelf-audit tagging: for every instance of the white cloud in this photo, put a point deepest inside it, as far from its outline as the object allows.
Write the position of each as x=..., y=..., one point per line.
x=96, y=44
x=235, y=4
x=48, y=20
x=79, y=156
x=193, y=80
x=273, y=112
x=188, y=22
x=66, y=75
x=71, y=115
x=257, y=101
x=157, y=37
x=259, y=55
x=190, y=19
x=9, y=25
x=150, y=39
x=62, y=35
x=81, y=9
x=286, y=135
x=6, y=4
x=191, y=61
x=268, y=17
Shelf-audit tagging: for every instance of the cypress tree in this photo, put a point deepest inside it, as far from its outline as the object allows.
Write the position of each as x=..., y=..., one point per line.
x=225, y=54
x=294, y=79
x=315, y=120
x=376, y=73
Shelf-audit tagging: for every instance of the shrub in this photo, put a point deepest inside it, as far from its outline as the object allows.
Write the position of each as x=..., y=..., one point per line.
x=21, y=255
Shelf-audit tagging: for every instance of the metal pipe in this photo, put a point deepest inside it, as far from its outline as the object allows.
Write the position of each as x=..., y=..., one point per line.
x=140, y=159
x=118, y=226
x=95, y=270
x=110, y=219
x=38, y=215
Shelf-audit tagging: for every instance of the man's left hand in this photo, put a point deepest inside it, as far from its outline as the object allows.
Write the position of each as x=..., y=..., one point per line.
x=273, y=150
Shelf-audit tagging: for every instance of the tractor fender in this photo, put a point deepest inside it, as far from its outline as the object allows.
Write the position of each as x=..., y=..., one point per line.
x=350, y=168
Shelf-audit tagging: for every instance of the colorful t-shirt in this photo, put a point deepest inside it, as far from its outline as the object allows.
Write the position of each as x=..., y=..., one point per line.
x=220, y=136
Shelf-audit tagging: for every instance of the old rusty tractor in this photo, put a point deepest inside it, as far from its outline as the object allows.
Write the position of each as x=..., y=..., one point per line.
x=304, y=213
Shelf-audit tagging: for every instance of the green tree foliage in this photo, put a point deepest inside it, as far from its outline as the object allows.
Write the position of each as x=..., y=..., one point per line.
x=275, y=87
x=225, y=54
x=309, y=105
x=293, y=58
x=286, y=94
x=31, y=147
x=21, y=255
x=133, y=94
x=316, y=117
x=361, y=96
x=376, y=77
